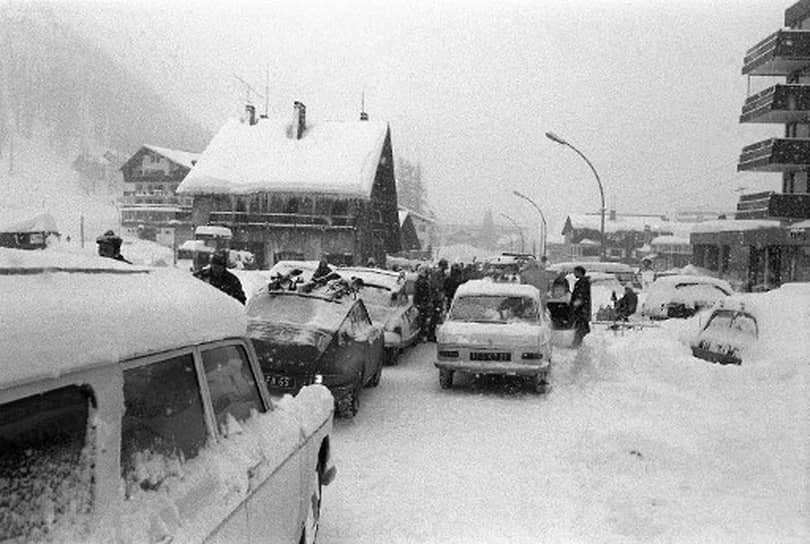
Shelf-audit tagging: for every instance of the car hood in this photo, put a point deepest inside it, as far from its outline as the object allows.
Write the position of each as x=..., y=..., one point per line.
x=285, y=346
x=485, y=334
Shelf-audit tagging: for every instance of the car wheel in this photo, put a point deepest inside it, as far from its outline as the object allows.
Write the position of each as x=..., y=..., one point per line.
x=312, y=521
x=375, y=381
x=346, y=405
x=445, y=378
x=391, y=357
x=539, y=384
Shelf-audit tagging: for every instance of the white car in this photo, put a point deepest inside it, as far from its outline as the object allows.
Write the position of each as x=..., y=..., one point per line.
x=495, y=328
x=683, y=295
x=133, y=409
x=385, y=295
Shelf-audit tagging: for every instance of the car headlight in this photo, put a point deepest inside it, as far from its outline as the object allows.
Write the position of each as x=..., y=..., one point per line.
x=531, y=355
x=448, y=353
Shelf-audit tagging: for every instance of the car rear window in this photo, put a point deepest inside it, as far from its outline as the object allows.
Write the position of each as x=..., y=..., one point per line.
x=300, y=310
x=47, y=454
x=494, y=309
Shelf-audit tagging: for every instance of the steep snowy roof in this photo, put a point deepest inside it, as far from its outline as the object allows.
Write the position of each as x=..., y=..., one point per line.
x=40, y=223
x=622, y=223
x=64, y=311
x=733, y=225
x=491, y=288
x=183, y=158
x=331, y=157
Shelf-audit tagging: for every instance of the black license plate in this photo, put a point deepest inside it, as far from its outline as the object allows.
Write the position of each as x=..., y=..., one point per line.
x=490, y=356
x=281, y=382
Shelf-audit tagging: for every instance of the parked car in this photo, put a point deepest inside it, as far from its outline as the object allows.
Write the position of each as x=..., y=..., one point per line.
x=747, y=326
x=730, y=330
x=495, y=328
x=133, y=409
x=683, y=295
x=316, y=333
x=389, y=306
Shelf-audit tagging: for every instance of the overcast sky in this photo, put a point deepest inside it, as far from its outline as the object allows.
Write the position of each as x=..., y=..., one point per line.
x=650, y=91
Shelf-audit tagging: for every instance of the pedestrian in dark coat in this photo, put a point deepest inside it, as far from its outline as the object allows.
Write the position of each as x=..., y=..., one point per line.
x=452, y=282
x=581, y=305
x=626, y=306
x=423, y=299
x=216, y=275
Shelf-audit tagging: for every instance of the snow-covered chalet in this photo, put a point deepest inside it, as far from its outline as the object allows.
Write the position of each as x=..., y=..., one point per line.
x=293, y=189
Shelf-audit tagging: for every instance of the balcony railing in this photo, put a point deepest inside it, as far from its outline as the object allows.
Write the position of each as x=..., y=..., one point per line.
x=147, y=198
x=287, y=220
x=776, y=155
x=775, y=206
x=778, y=104
x=780, y=54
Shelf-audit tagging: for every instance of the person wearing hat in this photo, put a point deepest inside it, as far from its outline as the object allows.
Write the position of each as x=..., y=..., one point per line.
x=216, y=274
x=109, y=245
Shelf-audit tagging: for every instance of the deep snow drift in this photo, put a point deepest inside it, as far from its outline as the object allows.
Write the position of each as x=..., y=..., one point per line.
x=637, y=442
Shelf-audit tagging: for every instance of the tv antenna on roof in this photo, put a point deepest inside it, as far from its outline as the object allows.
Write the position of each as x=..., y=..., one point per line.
x=248, y=89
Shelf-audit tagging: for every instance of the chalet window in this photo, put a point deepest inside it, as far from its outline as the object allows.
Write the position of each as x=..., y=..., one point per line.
x=306, y=205
x=241, y=204
x=292, y=205
x=276, y=204
x=323, y=206
x=222, y=203
x=340, y=207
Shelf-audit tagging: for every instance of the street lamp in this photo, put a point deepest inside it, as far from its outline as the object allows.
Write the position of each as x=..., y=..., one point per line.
x=520, y=231
x=554, y=138
x=542, y=217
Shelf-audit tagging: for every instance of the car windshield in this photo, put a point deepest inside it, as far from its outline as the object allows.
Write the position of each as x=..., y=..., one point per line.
x=699, y=291
x=732, y=323
x=494, y=309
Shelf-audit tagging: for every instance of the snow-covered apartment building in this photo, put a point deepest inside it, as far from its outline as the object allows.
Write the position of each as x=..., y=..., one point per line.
x=150, y=206
x=294, y=189
x=768, y=241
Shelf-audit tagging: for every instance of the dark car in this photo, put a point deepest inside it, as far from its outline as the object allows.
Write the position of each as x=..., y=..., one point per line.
x=320, y=334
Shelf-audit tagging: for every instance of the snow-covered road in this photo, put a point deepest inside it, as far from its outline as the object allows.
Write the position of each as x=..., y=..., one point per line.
x=637, y=442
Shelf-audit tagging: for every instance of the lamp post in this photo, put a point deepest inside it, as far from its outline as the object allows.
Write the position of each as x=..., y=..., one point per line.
x=542, y=218
x=520, y=231
x=554, y=138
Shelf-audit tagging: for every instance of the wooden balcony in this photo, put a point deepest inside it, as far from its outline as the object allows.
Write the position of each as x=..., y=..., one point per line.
x=778, y=104
x=770, y=205
x=780, y=54
x=776, y=155
x=283, y=220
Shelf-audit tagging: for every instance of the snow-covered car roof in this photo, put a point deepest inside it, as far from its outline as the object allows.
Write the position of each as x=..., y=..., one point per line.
x=373, y=276
x=63, y=311
x=299, y=309
x=688, y=279
x=491, y=288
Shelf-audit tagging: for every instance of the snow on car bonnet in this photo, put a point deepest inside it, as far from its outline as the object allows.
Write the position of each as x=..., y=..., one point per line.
x=62, y=311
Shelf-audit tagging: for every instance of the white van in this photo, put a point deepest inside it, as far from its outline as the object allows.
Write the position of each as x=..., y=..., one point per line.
x=132, y=409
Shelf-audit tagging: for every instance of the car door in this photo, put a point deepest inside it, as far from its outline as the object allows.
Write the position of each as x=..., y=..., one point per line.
x=274, y=483
x=165, y=426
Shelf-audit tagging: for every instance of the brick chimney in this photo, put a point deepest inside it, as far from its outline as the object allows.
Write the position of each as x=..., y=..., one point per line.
x=250, y=114
x=299, y=124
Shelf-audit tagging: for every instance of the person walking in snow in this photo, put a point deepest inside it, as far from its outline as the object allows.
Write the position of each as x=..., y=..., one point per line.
x=423, y=300
x=581, y=306
x=451, y=283
x=109, y=245
x=626, y=306
x=216, y=275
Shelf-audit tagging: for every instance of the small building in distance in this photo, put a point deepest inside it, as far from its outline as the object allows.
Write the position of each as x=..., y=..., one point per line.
x=293, y=189
x=625, y=235
x=150, y=207
x=34, y=233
